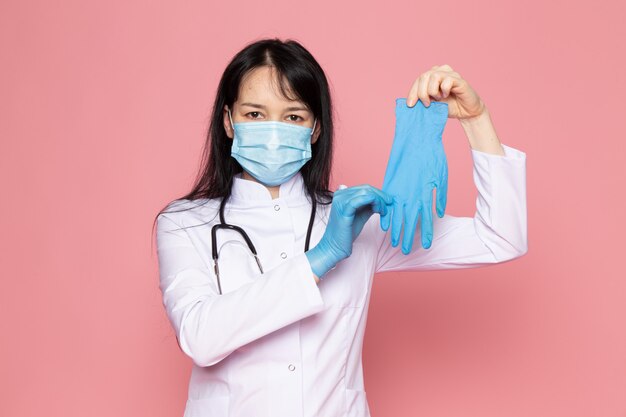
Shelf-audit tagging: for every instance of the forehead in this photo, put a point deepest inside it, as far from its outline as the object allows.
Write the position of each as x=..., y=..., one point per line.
x=261, y=85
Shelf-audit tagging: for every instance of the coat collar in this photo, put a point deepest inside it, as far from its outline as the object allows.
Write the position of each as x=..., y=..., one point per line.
x=246, y=192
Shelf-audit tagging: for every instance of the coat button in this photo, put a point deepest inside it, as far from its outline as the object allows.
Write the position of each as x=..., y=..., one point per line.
x=283, y=255
x=276, y=207
x=291, y=367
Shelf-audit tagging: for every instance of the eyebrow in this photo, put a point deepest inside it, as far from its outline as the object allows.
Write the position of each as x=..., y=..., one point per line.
x=260, y=106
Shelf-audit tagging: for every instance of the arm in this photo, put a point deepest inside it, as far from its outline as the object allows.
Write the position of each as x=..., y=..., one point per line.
x=496, y=233
x=209, y=326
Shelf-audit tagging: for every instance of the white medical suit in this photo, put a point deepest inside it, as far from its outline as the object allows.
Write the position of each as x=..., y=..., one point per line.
x=278, y=344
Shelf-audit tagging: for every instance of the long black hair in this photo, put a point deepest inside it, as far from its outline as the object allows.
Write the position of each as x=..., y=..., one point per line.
x=299, y=74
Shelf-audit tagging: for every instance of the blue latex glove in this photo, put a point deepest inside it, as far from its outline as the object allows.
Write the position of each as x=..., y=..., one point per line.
x=417, y=164
x=350, y=210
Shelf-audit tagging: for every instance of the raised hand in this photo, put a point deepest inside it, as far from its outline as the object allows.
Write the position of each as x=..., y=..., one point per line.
x=417, y=165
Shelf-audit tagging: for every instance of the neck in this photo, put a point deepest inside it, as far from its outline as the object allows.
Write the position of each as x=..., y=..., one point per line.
x=274, y=191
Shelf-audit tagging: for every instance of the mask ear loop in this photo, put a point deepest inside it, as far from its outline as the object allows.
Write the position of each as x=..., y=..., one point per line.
x=231, y=121
x=313, y=128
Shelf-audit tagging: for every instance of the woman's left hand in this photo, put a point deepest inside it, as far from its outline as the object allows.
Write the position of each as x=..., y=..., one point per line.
x=445, y=85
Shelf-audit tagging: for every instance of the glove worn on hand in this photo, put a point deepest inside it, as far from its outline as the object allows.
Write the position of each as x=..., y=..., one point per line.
x=417, y=164
x=350, y=210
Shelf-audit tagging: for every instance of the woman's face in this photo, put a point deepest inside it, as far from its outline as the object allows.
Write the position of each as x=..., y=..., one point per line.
x=260, y=100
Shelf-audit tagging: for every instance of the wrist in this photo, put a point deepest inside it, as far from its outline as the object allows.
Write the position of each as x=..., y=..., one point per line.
x=320, y=260
x=482, y=118
x=481, y=133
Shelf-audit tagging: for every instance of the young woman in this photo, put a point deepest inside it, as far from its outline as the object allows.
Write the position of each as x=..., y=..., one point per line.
x=266, y=273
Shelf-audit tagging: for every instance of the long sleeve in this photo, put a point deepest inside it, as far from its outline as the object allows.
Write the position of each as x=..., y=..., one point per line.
x=497, y=232
x=210, y=326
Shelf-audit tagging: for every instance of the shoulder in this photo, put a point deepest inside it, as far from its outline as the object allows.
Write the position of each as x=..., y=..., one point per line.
x=185, y=212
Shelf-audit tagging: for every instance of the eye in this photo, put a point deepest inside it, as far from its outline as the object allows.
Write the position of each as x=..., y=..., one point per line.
x=297, y=117
x=253, y=112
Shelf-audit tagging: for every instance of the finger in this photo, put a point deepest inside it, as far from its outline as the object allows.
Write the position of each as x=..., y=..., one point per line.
x=417, y=87
x=365, y=211
x=386, y=218
x=396, y=222
x=356, y=201
x=427, y=222
x=446, y=86
x=367, y=188
x=386, y=197
x=422, y=89
x=411, y=98
x=410, y=224
x=442, y=194
x=362, y=216
x=434, y=85
x=380, y=201
x=379, y=206
x=377, y=203
x=349, y=193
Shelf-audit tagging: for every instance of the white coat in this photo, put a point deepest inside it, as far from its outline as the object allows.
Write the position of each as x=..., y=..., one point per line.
x=278, y=344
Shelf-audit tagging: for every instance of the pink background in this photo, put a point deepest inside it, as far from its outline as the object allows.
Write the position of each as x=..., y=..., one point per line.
x=103, y=114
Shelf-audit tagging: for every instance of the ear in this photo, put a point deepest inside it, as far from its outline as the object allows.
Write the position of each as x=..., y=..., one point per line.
x=227, y=125
x=316, y=133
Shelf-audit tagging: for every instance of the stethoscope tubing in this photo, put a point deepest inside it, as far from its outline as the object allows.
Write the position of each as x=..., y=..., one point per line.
x=224, y=225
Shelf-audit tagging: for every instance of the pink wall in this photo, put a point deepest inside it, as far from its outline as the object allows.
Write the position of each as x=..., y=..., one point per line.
x=103, y=112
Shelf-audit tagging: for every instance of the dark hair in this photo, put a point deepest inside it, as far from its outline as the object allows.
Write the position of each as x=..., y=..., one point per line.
x=299, y=73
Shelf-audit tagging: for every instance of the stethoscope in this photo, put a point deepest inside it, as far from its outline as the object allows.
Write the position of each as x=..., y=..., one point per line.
x=223, y=225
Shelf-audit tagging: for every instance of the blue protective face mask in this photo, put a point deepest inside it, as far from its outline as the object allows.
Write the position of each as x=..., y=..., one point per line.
x=272, y=152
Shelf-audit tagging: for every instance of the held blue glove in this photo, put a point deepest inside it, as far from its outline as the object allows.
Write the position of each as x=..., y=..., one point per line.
x=350, y=210
x=417, y=164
